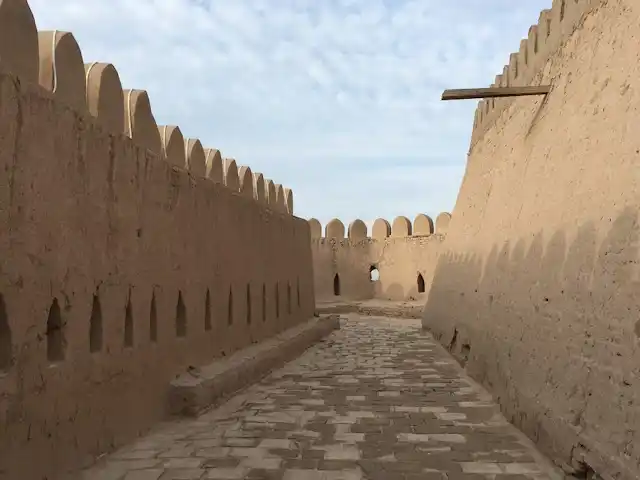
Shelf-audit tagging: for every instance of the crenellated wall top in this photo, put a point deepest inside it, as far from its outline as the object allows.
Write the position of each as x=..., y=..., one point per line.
x=53, y=60
x=554, y=27
x=401, y=227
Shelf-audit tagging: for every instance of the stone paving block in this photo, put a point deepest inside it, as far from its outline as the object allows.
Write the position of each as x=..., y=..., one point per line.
x=370, y=402
x=227, y=473
x=183, y=474
x=136, y=454
x=264, y=463
x=520, y=468
x=176, y=463
x=147, y=474
x=227, y=462
x=138, y=464
x=322, y=475
x=481, y=467
x=177, y=452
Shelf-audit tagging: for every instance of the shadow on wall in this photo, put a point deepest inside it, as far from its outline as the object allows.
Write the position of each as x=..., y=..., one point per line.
x=553, y=332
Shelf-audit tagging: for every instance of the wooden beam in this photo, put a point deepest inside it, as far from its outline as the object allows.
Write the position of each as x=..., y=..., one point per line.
x=493, y=92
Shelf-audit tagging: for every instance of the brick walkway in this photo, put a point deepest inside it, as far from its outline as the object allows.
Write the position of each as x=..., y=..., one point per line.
x=378, y=399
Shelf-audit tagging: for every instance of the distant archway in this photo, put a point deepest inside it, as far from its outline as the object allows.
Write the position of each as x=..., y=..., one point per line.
x=374, y=273
x=336, y=285
x=420, y=283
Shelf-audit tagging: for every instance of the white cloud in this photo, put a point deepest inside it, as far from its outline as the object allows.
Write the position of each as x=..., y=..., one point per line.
x=337, y=99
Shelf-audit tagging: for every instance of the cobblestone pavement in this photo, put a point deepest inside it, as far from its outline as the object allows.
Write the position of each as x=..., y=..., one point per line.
x=378, y=399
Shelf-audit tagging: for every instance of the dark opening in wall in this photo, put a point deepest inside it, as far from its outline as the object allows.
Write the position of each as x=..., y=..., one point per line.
x=128, y=324
x=420, y=283
x=181, y=317
x=249, y=304
x=207, y=311
x=55, y=333
x=298, y=291
x=277, y=299
x=288, y=298
x=6, y=355
x=95, y=326
x=230, y=308
x=264, y=303
x=336, y=285
x=374, y=273
x=153, y=319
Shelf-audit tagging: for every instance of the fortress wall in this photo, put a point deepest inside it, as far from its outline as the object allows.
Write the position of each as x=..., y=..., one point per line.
x=400, y=262
x=350, y=261
x=128, y=254
x=538, y=286
x=400, y=252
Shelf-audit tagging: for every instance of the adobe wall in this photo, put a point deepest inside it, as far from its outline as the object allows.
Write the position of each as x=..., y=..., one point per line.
x=128, y=254
x=400, y=252
x=538, y=286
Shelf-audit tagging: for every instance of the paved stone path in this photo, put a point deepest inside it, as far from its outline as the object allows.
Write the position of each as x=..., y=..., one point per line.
x=378, y=399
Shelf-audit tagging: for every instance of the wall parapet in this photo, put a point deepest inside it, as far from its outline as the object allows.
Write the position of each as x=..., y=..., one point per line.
x=401, y=227
x=554, y=27
x=53, y=60
x=127, y=256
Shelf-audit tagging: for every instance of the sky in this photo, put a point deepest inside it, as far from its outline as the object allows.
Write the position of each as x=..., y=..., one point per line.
x=338, y=100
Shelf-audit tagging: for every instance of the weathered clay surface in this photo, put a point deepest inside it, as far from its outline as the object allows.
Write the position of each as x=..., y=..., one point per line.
x=537, y=290
x=120, y=267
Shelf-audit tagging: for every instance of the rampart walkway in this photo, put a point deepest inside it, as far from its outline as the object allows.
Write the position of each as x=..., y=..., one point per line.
x=378, y=399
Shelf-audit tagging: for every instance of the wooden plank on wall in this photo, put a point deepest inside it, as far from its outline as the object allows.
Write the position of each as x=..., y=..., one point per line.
x=493, y=92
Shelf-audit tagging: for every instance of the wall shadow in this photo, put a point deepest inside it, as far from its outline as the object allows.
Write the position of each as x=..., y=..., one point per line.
x=549, y=326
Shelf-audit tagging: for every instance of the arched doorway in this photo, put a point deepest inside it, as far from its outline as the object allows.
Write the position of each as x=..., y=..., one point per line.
x=420, y=283
x=336, y=285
